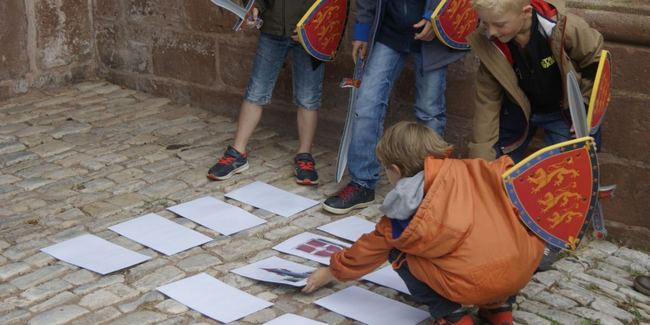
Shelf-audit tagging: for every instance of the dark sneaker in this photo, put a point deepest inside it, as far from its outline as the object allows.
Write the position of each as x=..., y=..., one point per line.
x=233, y=162
x=458, y=318
x=642, y=283
x=499, y=316
x=305, y=169
x=547, y=261
x=351, y=197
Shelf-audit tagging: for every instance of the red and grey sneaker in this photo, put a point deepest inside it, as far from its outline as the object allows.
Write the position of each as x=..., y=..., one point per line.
x=305, y=169
x=498, y=316
x=458, y=318
x=352, y=196
x=233, y=162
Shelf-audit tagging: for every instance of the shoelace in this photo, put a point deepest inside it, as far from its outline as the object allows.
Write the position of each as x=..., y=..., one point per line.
x=304, y=164
x=226, y=160
x=347, y=191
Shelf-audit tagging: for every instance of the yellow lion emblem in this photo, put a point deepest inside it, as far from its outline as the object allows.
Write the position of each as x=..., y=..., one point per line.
x=562, y=195
x=543, y=177
x=567, y=214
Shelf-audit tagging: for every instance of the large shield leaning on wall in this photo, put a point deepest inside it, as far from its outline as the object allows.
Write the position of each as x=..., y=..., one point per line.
x=452, y=21
x=321, y=29
x=556, y=190
x=600, y=94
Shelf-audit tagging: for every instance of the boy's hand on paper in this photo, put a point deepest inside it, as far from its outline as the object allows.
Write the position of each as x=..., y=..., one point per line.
x=427, y=34
x=318, y=279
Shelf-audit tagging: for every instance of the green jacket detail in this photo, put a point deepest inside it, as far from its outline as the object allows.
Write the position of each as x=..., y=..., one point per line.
x=283, y=17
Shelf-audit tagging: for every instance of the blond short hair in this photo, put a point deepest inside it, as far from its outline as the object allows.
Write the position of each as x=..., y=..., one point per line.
x=501, y=6
x=407, y=144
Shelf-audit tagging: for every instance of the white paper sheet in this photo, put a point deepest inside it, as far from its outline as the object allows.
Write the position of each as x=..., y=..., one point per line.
x=291, y=319
x=387, y=277
x=371, y=308
x=269, y=198
x=311, y=246
x=217, y=215
x=213, y=298
x=350, y=228
x=95, y=254
x=277, y=270
x=160, y=234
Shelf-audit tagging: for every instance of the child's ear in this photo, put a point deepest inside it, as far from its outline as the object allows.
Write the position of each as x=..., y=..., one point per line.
x=396, y=170
x=528, y=11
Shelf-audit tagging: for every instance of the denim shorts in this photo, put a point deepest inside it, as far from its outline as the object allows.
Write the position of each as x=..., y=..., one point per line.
x=271, y=53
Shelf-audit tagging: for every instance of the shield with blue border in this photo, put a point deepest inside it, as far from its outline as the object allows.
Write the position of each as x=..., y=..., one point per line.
x=452, y=21
x=600, y=94
x=556, y=190
x=321, y=29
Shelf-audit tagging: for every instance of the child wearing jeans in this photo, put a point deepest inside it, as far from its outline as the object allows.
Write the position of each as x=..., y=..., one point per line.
x=277, y=38
x=449, y=231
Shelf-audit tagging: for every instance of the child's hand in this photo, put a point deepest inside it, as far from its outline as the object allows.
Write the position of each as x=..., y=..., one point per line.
x=251, y=22
x=427, y=34
x=359, y=46
x=294, y=36
x=318, y=279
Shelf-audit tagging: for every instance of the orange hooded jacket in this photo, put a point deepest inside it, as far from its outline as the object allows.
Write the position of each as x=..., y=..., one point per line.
x=465, y=240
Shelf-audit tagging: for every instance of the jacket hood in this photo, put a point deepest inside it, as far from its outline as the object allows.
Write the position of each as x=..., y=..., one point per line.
x=402, y=202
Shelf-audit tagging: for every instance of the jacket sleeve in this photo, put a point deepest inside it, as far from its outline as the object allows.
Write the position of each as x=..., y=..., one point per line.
x=489, y=96
x=364, y=256
x=366, y=10
x=584, y=45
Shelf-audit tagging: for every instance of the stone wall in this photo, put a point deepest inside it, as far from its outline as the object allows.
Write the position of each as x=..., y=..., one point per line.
x=44, y=44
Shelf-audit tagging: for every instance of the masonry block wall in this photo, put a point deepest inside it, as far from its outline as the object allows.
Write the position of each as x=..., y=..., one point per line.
x=45, y=44
x=186, y=50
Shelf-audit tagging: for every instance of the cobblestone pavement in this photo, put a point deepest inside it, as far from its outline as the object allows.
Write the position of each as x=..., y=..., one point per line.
x=77, y=160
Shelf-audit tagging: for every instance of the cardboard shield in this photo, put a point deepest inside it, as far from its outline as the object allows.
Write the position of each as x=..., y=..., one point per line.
x=556, y=191
x=601, y=93
x=321, y=29
x=452, y=21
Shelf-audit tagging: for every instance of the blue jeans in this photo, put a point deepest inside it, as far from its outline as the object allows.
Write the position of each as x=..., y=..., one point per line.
x=439, y=306
x=271, y=53
x=556, y=129
x=379, y=76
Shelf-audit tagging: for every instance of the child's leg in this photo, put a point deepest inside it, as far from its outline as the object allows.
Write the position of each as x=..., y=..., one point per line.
x=269, y=58
x=512, y=124
x=555, y=128
x=307, y=93
x=379, y=75
x=439, y=306
x=430, y=96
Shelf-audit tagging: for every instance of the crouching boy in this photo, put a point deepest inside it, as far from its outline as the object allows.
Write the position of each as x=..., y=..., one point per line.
x=449, y=230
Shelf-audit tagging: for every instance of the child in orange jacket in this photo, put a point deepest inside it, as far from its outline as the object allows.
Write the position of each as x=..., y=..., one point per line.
x=449, y=230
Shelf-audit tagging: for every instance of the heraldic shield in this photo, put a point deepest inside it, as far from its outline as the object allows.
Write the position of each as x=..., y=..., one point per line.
x=556, y=190
x=321, y=29
x=452, y=21
x=601, y=93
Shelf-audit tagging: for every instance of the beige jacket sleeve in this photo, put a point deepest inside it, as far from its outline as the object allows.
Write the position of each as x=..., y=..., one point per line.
x=489, y=96
x=584, y=45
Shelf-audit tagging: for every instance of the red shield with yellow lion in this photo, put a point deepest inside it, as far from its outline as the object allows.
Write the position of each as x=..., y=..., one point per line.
x=556, y=190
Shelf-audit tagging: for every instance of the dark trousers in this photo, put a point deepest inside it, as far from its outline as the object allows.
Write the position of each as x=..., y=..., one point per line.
x=439, y=306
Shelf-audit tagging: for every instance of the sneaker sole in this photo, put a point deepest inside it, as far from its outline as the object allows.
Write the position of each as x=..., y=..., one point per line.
x=304, y=181
x=229, y=175
x=344, y=211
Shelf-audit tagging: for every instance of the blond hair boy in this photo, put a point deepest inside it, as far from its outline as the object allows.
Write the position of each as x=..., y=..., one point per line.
x=449, y=231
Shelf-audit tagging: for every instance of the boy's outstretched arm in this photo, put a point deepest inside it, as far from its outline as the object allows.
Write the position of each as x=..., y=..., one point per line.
x=318, y=279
